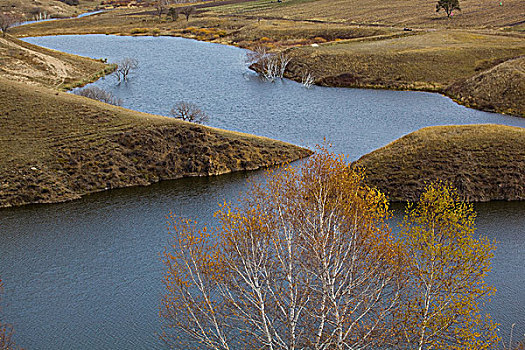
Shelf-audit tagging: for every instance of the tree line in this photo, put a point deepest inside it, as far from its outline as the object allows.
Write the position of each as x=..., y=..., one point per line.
x=308, y=261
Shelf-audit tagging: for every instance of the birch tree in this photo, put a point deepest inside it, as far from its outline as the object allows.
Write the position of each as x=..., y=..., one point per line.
x=447, y=268
x=304, y=261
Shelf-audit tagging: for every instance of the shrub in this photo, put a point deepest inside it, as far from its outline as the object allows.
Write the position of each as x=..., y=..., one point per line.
x=99, y=94
x=139, y=30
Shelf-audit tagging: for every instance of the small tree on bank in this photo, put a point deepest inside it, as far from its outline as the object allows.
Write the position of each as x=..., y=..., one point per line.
x=173, y=13
x=448, y=6
x=7, y=21
x=160, y=6
x=188, y=11
x=99, y=94
x=189, y=112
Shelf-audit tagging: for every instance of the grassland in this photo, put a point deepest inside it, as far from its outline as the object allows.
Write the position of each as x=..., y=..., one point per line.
x=476, y=58
x=23, y=62
x=506, y=80
x=420, y=61
x=24, y=9
x=360, y=44
x=400, y=13
x=484, y=162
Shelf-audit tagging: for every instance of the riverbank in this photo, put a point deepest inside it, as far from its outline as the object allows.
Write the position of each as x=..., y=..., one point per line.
x=434, y=55
x=38, y=66
x=56, y=146
x=483, y=162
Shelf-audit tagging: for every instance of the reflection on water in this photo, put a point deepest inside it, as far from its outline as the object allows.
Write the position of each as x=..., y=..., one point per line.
x=87, y=274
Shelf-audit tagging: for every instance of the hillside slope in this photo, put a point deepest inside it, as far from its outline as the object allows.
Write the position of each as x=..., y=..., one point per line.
x=420, y=13
x=24, y=62
x=484, y=162
x=499, y=89
x=56, y=146
x=32, y=9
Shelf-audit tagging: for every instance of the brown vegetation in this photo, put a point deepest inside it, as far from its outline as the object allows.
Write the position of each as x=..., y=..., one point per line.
x=484, y=162
x=20, y=61
x=499, y=89
x=58, y=146
x=415, y=61
x=29, y=9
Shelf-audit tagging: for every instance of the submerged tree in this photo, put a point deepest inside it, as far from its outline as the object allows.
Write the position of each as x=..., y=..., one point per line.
x=447, y=268
x=125, y=67
x=304, y=261
x=269, y=65
x=448, y=6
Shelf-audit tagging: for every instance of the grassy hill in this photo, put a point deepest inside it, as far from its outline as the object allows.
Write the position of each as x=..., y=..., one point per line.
x=27, y=9
x=56, y=146
x=421, y=60
x=506, y=82
x=419, y=13
x=23, y=62
x=484, y=162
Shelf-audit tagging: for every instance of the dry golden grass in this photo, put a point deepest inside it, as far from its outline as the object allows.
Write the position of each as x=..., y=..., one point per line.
x=36, y=65
x=506, y=81
x=56, y=146
x=420, y=13
x=429, y=60
x=484, y=162
x=52, y=8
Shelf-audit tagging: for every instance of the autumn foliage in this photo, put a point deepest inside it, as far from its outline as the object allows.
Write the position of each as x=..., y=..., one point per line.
x=307, y=261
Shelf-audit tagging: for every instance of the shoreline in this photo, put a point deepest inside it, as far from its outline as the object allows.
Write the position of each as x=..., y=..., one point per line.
x=329, y=81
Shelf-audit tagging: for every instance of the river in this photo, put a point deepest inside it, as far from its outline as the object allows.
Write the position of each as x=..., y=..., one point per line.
x=87, y=274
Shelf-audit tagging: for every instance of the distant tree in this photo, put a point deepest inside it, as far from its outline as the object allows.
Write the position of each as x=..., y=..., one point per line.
x=70, y=2
x=447, y=266
x=160, y=6
x=173, y=13
x=189, y=112
x=125, y=67
x=99, y=94
x=7, y=21
x=188, y=11
x=36, y=13
x=448, y=6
